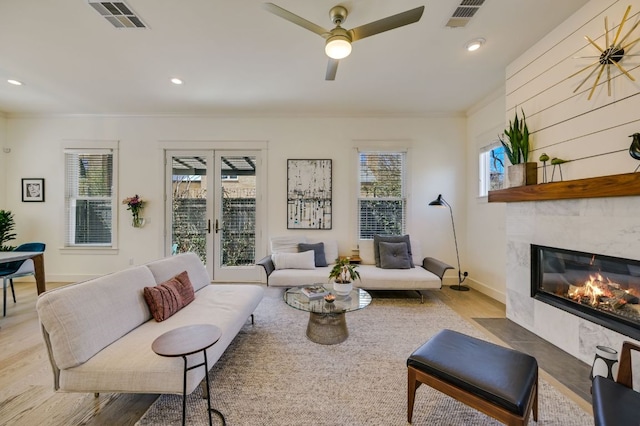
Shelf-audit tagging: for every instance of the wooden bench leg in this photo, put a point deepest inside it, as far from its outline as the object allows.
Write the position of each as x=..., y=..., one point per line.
x=413, y=384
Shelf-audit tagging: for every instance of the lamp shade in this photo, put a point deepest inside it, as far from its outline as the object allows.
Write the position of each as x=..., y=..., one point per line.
x=438, y=201
x=338, y=47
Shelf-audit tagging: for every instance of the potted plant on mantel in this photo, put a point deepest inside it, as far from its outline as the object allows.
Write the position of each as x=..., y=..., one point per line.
x=517, y=146
x=343, y=274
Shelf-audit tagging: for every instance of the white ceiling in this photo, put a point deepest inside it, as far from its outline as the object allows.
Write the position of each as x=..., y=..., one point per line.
x=236, y=58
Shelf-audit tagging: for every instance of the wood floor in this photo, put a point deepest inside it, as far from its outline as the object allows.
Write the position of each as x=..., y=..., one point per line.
x=26, y=382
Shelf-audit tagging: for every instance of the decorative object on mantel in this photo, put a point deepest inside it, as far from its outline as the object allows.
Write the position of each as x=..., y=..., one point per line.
x=604, y=363
x=135, y=204
x=440, y=202
x=544, y=158
x=612, y=54
x=517, y=147
x=634, y=149
x=557, y=162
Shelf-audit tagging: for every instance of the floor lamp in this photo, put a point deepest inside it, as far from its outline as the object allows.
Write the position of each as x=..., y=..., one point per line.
x=440, y=202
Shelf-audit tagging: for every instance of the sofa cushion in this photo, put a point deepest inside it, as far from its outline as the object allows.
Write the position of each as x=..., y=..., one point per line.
x=391, y=239
x=304, y=260
x=330, y=248
x=165, y=269
x=394, y=256
x=367, y=256
x=82, y=319
x=169, y=297
x=288, y=244
x=318, y=250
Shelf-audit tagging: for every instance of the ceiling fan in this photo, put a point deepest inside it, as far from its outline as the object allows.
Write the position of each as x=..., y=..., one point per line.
x=339, y=40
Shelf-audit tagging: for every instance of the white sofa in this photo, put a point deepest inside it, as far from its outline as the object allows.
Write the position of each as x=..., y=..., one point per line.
x=98, y=333
x=427, y=274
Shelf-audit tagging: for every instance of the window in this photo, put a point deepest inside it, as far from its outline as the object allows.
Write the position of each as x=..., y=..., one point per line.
x=381, y=194
x=491, y=169
x=90, y=204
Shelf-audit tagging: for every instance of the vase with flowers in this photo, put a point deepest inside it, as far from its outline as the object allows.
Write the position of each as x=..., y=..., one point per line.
x=343, y=274
x=135, y=204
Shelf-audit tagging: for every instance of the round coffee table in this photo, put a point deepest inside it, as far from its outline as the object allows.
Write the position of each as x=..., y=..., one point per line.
x=327, y=321
x=189, y=340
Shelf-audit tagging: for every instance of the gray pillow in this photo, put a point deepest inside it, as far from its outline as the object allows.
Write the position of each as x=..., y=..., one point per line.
x=394, y=256
x=318, y=250
x=377, y=239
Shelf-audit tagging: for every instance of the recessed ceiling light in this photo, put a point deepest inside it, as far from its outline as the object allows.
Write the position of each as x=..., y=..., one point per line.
x=475, y=44
x=14, y=82
x=176, y=81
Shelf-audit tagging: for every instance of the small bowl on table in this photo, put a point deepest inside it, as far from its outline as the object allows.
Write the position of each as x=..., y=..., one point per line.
x=329, y=298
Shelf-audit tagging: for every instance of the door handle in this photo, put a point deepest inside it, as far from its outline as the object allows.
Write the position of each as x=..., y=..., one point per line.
x=208, y=226
x=217, y=228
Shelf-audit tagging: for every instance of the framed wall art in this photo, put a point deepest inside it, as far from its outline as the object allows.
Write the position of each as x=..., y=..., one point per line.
x=33, y=190
x=309, y=194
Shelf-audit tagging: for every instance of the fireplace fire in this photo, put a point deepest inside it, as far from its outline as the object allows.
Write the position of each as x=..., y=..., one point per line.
x=601, y=289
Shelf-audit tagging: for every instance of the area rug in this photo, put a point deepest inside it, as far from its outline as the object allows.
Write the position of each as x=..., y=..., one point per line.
x=272, y=375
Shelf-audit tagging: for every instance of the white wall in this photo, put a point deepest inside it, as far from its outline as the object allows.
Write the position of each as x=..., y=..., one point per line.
x=486, y=239
x=593, y=135
x=437, y=145
x=3, y=156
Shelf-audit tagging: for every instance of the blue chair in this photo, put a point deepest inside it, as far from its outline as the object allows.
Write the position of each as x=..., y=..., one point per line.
x=20, y=268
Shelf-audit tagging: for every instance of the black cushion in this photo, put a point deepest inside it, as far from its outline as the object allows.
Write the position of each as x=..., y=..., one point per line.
x=614, y=404
x=391, y=239
x=502, y=376
x=394, y=256
x=318, y=250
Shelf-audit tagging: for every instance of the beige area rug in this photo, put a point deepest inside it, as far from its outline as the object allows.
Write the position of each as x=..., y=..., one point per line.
x=272, y=375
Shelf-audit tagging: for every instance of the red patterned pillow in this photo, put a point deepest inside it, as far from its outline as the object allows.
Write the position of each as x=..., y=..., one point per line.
x=169, y=297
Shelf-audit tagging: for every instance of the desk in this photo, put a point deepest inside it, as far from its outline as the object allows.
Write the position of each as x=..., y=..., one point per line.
x=38, y=263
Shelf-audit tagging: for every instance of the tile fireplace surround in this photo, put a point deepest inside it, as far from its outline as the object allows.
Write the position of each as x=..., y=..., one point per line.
x=608, y=226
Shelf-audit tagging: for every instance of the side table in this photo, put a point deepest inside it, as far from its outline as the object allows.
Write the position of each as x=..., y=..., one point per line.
x=189, y=340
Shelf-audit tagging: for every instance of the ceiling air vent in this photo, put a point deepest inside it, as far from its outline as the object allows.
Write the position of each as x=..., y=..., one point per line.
x=464, y=12
x=118, y=13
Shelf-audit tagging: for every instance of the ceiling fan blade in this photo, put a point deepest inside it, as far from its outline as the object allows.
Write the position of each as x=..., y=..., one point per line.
x=332, y=68
x=291, y=17
x=386, y=24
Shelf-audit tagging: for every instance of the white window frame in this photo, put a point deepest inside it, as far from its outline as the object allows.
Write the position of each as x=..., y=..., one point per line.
x=484, y=168
x=404, y=182
x=91, y=147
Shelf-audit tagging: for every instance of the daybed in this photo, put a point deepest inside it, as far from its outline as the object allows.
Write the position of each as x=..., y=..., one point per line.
x=99, y=332
x=296, y=269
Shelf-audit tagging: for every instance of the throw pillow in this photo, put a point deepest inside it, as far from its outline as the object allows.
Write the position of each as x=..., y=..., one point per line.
x=394, y=256
x=318, y=250
x=304, y=260
x=377, y=239
x=167, y=298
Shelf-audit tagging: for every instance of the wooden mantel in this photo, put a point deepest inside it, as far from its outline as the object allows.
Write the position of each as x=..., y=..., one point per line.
x=604, y=186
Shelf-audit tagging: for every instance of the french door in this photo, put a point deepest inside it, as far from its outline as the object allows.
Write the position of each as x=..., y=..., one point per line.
x=212, y=204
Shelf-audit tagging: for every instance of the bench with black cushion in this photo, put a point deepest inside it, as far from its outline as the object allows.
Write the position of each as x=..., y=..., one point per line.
x=500, y=382
x=617, y=403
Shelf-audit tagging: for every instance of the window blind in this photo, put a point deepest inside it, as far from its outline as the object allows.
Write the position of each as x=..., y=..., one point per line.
x=381, y=194
x=89, y=197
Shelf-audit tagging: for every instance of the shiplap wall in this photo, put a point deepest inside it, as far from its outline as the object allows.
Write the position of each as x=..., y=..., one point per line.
x=593, y=135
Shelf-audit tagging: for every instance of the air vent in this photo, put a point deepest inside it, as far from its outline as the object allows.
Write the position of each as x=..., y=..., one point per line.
x=118, y=14
x=464, y=12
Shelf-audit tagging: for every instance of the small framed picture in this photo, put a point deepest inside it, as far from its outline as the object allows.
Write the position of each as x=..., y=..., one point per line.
x=33, y=190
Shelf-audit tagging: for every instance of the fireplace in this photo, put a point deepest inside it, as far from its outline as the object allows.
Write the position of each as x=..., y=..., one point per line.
x=601, y=289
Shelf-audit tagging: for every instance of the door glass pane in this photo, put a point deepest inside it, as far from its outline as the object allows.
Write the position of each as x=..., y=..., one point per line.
x=189, y=206
x=238, y=201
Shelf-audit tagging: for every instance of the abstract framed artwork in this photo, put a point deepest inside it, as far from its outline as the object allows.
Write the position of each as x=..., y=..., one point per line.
x=33, y=190
x=309, y=194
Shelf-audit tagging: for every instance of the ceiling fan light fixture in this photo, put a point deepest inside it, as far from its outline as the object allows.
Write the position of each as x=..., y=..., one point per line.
x=475, y=44
x=338, y=47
